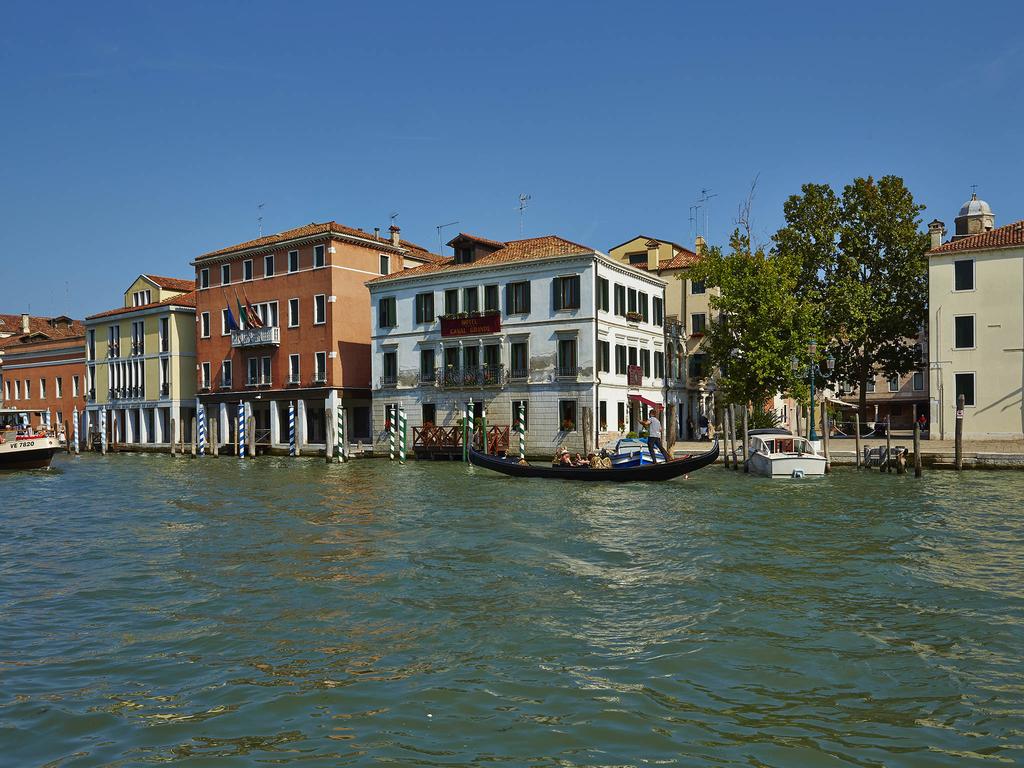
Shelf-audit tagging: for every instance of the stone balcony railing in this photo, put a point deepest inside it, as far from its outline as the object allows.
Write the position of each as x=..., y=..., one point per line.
x=256, y=337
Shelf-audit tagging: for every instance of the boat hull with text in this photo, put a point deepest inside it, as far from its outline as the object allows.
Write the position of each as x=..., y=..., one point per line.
x=31, y=452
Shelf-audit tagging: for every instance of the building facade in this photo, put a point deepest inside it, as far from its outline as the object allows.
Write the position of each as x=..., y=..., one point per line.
x=689, y=386
x=140, y=365
x=574, y=336
x=284, y=320
x=42, y=367
x=976, y=325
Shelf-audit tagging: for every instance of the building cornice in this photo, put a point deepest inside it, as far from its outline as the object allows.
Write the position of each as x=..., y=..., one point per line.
x=259, y=250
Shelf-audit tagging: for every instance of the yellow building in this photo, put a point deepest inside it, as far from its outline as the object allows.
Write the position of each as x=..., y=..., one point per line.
x=688, y=390
x=141, y=364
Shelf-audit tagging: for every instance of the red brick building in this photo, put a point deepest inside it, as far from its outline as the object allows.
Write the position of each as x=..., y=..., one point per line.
x=307, y=286
x=42, y=367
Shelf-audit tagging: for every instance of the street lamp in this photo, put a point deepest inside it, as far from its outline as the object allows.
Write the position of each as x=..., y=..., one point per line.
x=812, y=348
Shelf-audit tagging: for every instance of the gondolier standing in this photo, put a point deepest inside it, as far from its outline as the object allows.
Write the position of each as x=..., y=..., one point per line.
x=653, y=424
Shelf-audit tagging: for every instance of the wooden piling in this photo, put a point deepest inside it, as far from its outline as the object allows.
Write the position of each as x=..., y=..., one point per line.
x=959, y=435
x=746, y=441
x=195, y=437
x=732, y=437
x=888, y=445
x=917, y=449
x=799, y=412
x=727, y=437
x=329, y=438
x=856, y=430
x=250, y=436
x=67, y=437
x=213, y=438
x=174, y=436
x=824, y=439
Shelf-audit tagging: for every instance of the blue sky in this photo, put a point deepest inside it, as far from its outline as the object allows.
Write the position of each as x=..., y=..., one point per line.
x=136, y=136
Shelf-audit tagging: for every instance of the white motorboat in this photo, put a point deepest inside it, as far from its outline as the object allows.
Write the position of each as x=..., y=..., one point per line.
x=24, y=447
x=780, y=453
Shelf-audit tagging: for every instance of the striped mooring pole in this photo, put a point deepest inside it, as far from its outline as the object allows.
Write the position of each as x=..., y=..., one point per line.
x=201, y=427
x=521, y=429
x=103, y=429
x=392, y=431
x=470, y=428
x=341, y=433
x=291, y=428
x=483, y=429
x=401, y=435
x=241, y=429
x=76, y=429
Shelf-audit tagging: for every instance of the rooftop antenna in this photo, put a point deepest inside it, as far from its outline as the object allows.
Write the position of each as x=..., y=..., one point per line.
x=440, y=244
x=704, y=198
x=523, y=200
x=393, y=217
x=259, y=219
x=694, y=218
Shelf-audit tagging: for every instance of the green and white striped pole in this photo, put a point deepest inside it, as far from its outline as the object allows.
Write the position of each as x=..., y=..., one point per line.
x=341, y=433
x=521, y=429
x=401, y=435
x=392, y=431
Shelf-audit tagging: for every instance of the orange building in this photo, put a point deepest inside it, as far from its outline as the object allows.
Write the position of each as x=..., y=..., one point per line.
x=311, y=343
x=42, y=367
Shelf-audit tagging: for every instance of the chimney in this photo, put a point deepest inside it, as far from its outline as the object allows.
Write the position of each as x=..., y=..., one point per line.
x=652, y=255
x=698, y=246
x=376, y=233
x=395, y=239
x=24, y=322
x=937, y=230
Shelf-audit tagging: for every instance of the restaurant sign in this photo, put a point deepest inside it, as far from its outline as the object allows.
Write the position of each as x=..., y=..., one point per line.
x=634, y=376
x=470, y=326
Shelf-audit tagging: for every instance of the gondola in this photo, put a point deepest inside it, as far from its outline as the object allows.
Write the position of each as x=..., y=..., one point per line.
x=664, y=470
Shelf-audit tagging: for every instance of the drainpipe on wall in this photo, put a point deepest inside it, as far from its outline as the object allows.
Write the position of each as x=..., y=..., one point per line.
x=597, y=367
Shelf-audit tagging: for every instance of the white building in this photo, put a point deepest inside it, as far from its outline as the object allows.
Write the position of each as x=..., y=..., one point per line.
x=976, y=325
x=573, y=334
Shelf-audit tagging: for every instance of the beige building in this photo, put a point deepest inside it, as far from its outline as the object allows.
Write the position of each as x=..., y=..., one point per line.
x=976, y=325
x=688, y=387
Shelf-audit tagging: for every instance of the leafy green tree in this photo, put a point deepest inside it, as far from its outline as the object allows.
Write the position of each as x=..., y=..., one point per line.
x=861, y=262
x=762, y=322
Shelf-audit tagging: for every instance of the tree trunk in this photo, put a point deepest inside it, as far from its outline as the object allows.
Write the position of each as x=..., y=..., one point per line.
x=862, y=403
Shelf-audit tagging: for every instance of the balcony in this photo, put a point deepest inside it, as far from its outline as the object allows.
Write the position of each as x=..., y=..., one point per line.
x=256, y=337
x=519, y=374
x=389, y=380
x=480, y=376
x=259, y=382
x=294, y=380
x=567, y=372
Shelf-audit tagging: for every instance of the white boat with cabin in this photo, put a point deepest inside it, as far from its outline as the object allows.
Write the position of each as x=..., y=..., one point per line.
x=780, y=453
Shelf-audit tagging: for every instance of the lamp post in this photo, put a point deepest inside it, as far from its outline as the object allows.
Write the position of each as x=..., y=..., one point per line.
x=812, y=349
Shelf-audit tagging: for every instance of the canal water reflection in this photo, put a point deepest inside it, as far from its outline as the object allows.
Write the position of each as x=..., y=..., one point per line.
x=159, y=610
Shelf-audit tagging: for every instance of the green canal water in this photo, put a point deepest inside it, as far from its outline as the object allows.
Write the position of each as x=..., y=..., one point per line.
x=283, y=612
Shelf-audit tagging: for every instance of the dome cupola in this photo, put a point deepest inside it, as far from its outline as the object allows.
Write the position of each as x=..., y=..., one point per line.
x=975, y=218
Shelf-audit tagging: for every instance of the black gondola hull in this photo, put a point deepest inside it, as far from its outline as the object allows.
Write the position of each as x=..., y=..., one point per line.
x=665, y=470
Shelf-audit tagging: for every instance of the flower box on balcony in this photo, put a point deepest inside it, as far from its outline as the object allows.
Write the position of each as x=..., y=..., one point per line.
x=634, y=317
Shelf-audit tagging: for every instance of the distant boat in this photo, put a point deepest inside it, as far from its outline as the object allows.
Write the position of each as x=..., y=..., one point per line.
x=26, y=451
x=663, y=470
x=780, y=453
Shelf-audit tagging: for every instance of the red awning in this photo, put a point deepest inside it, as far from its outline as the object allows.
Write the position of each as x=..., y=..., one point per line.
x=645, y=401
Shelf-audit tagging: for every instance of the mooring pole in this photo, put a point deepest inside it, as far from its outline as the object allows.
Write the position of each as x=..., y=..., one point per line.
x=214, y=441
x=959, y=436
x=194, y=440
x=746, y=441
x=483, y=428
x=856, y=428
x=522, y=430
x=292, y=448
x=727, y=414
x=340, y=434
x=888, y=445
x=251, y=432
x=392, y=432
x=824, y=438
x=917, y=449
x=402, y=425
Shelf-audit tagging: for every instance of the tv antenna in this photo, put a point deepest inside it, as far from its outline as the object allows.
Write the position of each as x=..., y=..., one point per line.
x=694, y=218
x=259, y=219
x=394, y=216
x=523, y=200
x=704, y=198
x=440, y=228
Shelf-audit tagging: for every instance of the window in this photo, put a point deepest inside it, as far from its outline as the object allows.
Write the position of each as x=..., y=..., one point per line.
x=490, y=298
x=471, y=299
x=225, y=328
x=603, y=356
x=320, y=374
x=659, y=310
x=602, y=416
x=516, y=406
x=204, y=277
x=7, y=390
x=141, y=298
x=293, y=313
x=268, y=265
x=632, y=356
x=963, y=332
x=294, y=374
x=463, y=255
x=620, y=359
x=318, y=256
x=265, y=370
x=247, y=269
x=385, y=264
x=424, y=307
x=567, y=415
x=90, y=346
x=894, y=384
x=17, y=390
x=225, y=274
x=697, y=366
x=631, y=300
x=620, y=300
x=293, y=261
x=698, y=321
x=204, y=375
x=427, y=365
x=567, y=357
x=58, y=387
x=696, y=287
x=389, y=368
x=254, y=371
x=428, y=413
x=204, y=325
x=471, y=358
x=918, y=381
x=566, y=292
x=451, y=301
x=267, y=313
x=42, y=389
x=659, y=364
x=519, y=361
x=963, y=275
x=74, y=386
x=964, y=386
x=225, y=374
x=621, y=413
x=386, y=312
x=517, y=298
x=138, y=337
x=645, y=361
x=319, y=309
x=644, y=310
x=871, y=384
x=602, y=293
x=164, y=334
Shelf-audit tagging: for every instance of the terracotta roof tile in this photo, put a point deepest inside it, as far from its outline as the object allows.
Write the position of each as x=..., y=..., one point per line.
x=1002, y=237
x=645, y=237
x=685, y=258
x=61, y=327
x=483, y=240
x=173, y=283
x=514, y=250
x=184, y=300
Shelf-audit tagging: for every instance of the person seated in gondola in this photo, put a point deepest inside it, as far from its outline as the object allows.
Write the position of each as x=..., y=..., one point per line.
x=579, y=461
